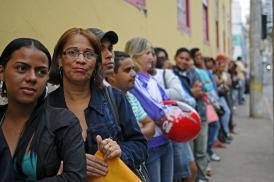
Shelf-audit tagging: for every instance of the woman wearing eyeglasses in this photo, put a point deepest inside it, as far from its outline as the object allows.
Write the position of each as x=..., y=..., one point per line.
x=38, y=137
x=77, y=68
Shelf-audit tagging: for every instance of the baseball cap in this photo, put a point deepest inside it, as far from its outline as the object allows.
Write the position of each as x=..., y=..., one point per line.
x=221, y=58
x=109, y=35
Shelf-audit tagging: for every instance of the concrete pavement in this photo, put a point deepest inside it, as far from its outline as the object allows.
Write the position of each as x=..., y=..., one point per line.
x=250, y=157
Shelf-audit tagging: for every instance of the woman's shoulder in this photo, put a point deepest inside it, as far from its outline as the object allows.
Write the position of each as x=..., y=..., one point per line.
x=170, y=74
x=57, y=117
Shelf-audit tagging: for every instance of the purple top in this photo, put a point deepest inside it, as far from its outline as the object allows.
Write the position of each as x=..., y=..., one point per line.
x=151, y=96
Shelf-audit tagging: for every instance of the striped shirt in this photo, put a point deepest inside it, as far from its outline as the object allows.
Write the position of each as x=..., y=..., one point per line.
x=138, y=110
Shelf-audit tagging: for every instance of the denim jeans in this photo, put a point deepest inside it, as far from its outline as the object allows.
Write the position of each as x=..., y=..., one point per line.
x=160, y=163
x=241, y=92
x=213, y=130
x=226, y=117
x=234, y=96
x=182, y=156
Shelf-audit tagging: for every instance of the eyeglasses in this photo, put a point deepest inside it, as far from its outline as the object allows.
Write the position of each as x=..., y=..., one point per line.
x=75, y=53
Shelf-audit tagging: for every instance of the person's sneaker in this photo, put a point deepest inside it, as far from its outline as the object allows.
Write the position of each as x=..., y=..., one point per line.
x=215, y=157
x=203, y=180
x=229, y=137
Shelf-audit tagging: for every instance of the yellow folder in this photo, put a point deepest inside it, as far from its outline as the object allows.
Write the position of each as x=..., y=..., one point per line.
x=117, y=171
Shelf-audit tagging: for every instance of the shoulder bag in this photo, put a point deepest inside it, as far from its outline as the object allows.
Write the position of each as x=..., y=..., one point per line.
x=141, y=171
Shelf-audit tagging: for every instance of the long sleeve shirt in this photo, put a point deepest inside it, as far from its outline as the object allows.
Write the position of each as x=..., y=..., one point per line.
x=151, y=96
x=173, y=87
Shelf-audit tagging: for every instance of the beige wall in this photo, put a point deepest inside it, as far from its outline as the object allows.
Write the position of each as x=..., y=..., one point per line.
x=46, y=20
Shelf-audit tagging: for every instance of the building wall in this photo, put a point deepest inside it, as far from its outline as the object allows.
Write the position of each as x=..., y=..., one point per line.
x=46, y=20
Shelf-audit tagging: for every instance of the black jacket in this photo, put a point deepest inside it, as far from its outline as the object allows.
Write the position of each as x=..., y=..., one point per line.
x=6, y=172
x=60, y=140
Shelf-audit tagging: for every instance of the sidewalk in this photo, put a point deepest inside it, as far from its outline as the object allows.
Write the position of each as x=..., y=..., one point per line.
x=250, y=157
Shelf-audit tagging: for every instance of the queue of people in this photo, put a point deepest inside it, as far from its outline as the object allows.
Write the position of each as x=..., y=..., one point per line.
x=56, y=136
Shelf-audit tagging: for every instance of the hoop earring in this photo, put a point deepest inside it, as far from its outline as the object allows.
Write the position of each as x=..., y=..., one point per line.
x=94, y=75
x=3, y=93
x=61, y=71
x=3, y=89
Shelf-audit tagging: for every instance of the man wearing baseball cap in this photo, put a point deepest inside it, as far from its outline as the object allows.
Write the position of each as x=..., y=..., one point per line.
x=107, y=39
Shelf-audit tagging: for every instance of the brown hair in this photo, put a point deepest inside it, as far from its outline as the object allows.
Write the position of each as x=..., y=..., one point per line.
x=55, y=75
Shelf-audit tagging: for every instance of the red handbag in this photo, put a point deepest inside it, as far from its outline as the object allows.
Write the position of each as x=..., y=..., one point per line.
x=211, y=113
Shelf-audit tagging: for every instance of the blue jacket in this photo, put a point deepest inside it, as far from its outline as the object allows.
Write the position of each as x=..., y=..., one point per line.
x=188, y=78
x=100, y=121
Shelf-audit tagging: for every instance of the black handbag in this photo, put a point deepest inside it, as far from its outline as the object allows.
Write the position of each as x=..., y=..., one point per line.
x=141, y=171
x=223, y=90
x=219, y=110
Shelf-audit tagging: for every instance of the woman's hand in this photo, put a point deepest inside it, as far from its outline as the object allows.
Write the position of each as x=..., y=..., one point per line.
x=96, y=166
x=109, y=148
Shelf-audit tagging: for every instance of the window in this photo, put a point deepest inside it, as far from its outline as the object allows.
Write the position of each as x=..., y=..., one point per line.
x=140, y=4
x=217, y=24
x=183, y=15
x=205, y=22
x=217, y=34
x=224, y=28
x=224, y=41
